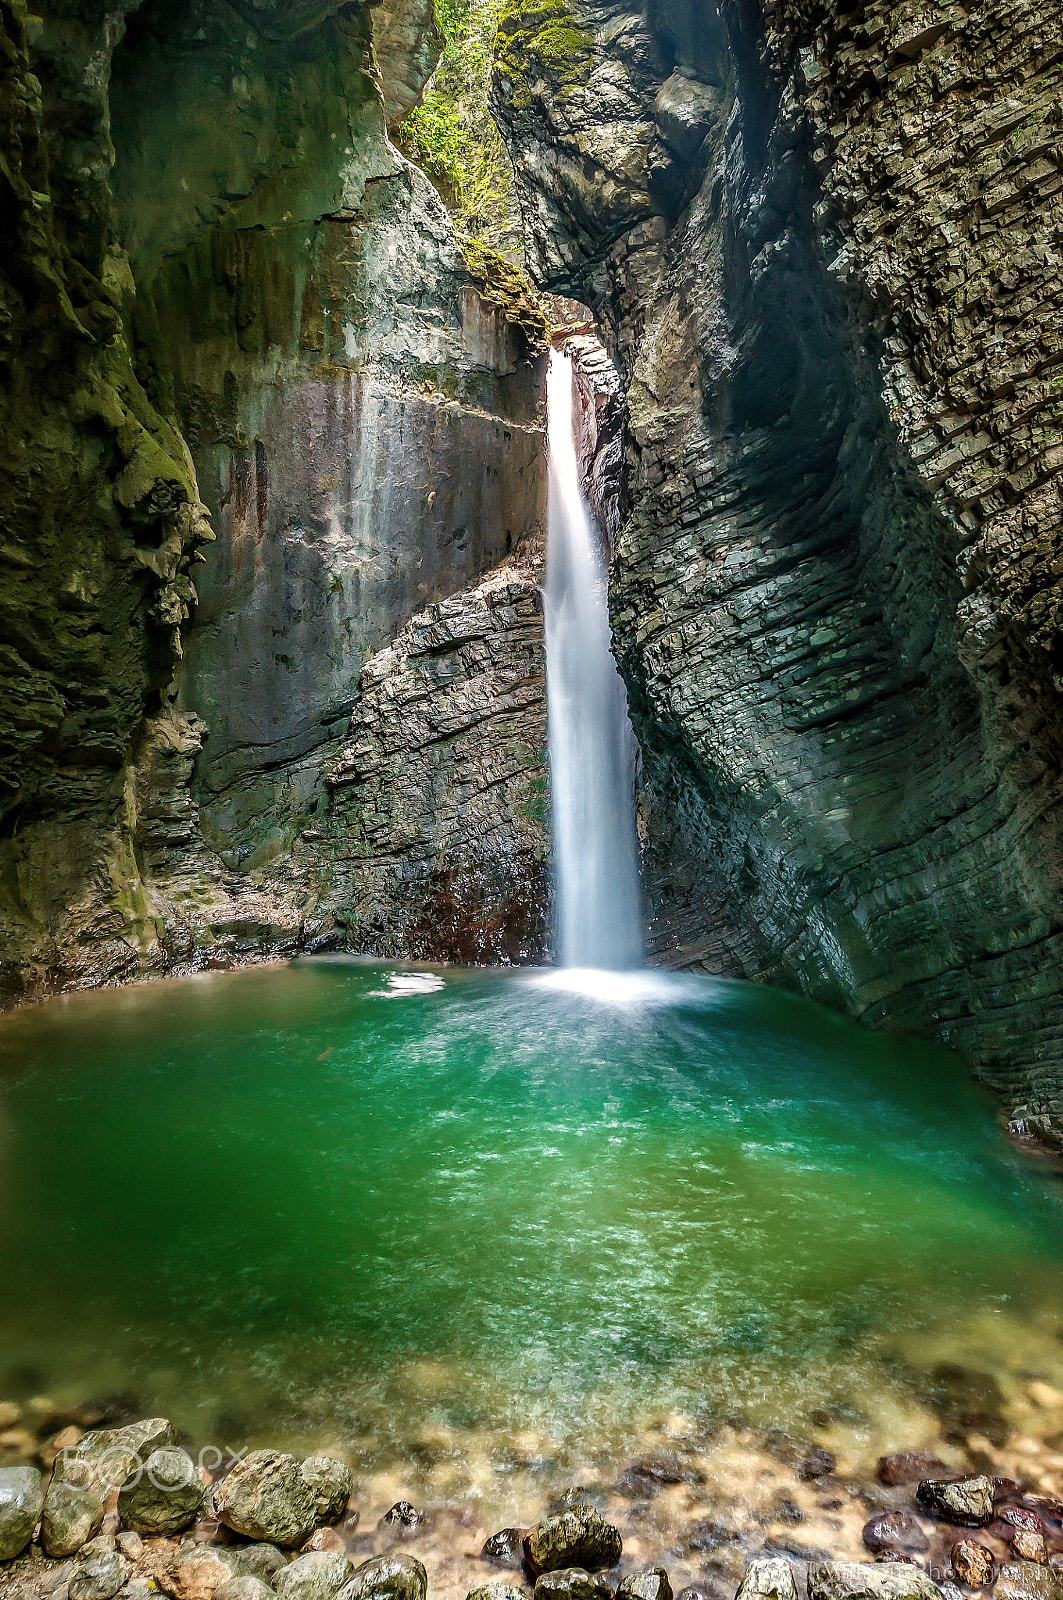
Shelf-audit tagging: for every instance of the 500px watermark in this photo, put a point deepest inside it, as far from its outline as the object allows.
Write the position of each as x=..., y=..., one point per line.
x=168, y=1469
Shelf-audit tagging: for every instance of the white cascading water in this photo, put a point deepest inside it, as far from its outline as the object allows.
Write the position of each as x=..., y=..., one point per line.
x=590, y=740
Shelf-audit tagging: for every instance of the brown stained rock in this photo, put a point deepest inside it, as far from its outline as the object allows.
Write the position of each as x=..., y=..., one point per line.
x=894, y=1530
x=909, y=1466
x=972, y=1563
x=1030, y=1546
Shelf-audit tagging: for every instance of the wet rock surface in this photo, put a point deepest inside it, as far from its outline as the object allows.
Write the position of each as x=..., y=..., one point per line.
x=164, y=1496
x=21, y=1499
x=578, y=1537
x=963, y=1500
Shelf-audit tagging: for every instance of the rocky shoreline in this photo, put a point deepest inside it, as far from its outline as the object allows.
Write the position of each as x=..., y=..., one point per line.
x=122, y=1513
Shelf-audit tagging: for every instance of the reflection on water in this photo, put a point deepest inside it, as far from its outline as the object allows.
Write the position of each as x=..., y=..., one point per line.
x=520, y=1225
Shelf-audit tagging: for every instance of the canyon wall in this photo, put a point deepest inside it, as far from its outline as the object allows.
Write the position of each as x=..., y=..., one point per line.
x=258, y=421
x=824, y=244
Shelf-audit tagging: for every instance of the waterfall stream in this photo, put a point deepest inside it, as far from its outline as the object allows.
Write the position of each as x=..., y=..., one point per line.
x=591, y=745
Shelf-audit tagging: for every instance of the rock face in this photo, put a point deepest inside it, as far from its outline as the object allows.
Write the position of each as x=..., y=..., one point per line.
x=285, y=341
x=823, y=245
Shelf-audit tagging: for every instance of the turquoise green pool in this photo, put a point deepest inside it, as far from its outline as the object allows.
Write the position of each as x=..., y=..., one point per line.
x=329, y=1199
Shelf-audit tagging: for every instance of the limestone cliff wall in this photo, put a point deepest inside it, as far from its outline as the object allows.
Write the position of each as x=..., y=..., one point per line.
x=825, y=245
x=239, y=333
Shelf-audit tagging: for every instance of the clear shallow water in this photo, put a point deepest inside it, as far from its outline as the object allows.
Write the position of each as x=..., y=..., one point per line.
x=331, y=1199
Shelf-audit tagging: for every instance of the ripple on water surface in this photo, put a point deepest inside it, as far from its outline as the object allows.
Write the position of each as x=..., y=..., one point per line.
x=358, y=1203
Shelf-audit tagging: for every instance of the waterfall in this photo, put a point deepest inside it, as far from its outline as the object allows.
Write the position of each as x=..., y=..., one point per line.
x=590, y=740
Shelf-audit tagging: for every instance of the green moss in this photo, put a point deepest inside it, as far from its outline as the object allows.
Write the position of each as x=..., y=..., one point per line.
x=509, y=288
x=540, y=40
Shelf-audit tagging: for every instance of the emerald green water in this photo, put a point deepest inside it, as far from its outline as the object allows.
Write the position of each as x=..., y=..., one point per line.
x=295, y=1201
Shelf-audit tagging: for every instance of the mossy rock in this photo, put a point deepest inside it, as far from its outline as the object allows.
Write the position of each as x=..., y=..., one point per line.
x=540, y=41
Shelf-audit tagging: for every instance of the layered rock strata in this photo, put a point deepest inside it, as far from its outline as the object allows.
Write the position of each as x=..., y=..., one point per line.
x=825, y=247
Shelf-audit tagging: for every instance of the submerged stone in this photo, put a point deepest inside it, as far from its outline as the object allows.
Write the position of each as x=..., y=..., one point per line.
x=21, y=1499
x=578, y=1538
x=908, y=1466
x=972, y=1563
x=894, y=1530
x=1027, y=1580
x=506, y=1547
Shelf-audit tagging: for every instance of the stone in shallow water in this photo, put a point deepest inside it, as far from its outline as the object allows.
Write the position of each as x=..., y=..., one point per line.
x=98, y=1578
x=333, y=1484
x=569, y=1583
x=1021, y=1517
x=652, y=1584
x=859, y=1580
x=403, y=1519
x=894, y=1530
x=819, y=1463
x=644, y=1478
x=1030, y=1546
x=315, y=1576
x=326, y=1539
x=972, y=1563
x=506, y=1547
x=402, y=1577
x=768, y=1580
x=578, y=1538
x=967, y=1501
x=1027, y=1580
x=908, y=1466
x=498, y=1591
x=265, y=1496
x=162, y=1497
x=70, y=1517
x=21, y=1499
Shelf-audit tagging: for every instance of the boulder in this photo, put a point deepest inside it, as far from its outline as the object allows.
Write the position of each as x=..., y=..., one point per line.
x=578, y=1538
x=894, y=1530
x=265, y=1496
x=316, y=1576
x=650, y=1584
x=768, y=1580
x=70, y=1517
x=396, y=1577
x=568, y=1583
x=909, y=1466
x=645, y=1478
x=162, y=1497
x=1027, y=1580
x=104, y=1459
x=403, y=1518
x=498, y=1591
x=1030, y=1546
x=860, y=1580
x=195, y=1571
x=972, y=1563
x=262, y=1561
x=333, y=1484
x=505, y=1548
x=21, y=1499
x=967, y=1501
x=246, y=1587
x=98, y=1578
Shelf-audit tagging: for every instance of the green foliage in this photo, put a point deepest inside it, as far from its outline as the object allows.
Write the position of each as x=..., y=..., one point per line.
x=451, y=133
x=540, y=39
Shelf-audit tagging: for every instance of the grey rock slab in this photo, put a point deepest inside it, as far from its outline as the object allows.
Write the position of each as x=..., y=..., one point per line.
x=163, y=1496
x=859, y=1580
x=70, y=1516
x=332, y=1482
x=265, y=1496
x=768, y=1580
x=1028, y=1580
x=98, y=1578
x=397, y=1577
x=21, y=1499
x=579, y=1537
x=316, y=1576
x=966, y=1501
